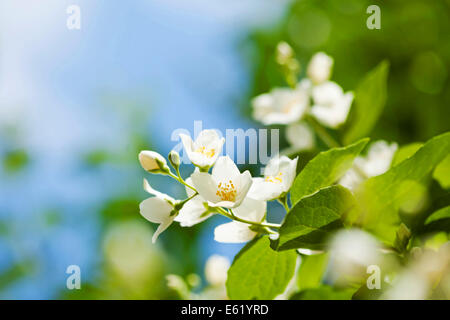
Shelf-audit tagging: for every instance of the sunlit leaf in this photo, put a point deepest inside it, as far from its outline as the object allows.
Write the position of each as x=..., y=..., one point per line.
x=382, y=196
x=258, y=272
x=370, y=98
x=325, y=169
x=309, y=222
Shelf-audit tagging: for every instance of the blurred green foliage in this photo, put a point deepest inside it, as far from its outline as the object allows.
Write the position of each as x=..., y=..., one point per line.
x=414, y=38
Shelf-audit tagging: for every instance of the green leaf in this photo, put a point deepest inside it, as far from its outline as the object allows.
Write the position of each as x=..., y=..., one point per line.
x=309, y=222
x=325, y=169
x=442, y=173
x=370, y=98
x=258, y=272
x=381, y=197
x=311, y=270
x=324, y=292
x=405, y=152
x=443, y=213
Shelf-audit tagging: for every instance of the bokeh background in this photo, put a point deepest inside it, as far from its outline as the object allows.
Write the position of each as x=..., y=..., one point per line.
x=76, y=107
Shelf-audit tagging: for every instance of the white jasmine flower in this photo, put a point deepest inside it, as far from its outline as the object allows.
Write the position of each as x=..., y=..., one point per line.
x=157, y=209
x=152, y=161
x=331, y=105
x=194, y=211
x=378, y=161
x=279, y=174
x=203, y=152
x=319, y=68
x=238, y=232
x=280, y=106
x=351, y=251
x=216, y=269
x=225, y=187
x=300, y=136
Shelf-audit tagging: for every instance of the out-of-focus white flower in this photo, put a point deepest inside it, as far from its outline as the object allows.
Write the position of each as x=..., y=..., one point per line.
x=429, y=271
x=204, y=151
x=351, y=251
x=225, y=187
x=194, y=211
x=320, y=67
x=216, y=269
x=280, y=106
x=377, y=161
x=279, y=175
x=152, y=161
x=408, y=286
x=129, y=253
x=238, y=232
x=331, y=106
x=300, y=136
x=157, y=209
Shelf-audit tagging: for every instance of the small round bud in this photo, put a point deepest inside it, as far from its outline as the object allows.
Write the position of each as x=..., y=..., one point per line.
x=284, y=53
x=153, y=162
x=174, y=159
x=320, y=68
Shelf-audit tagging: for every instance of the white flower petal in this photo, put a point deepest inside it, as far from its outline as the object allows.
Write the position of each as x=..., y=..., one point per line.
x=193, y=212
x=155, y=209
x=225, y=169
x=319, y=67
x=251, y=209
x=233, y=232
x=280, y=106
x=331, y=105
x=203, y=152
x=244, y=183
x=156, y=193
x=263, y=190
x=162, y=227
x=206, y=186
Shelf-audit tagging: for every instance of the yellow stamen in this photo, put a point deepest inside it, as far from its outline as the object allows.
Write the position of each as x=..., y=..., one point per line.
x=274, y=179
x=226, y=191
x=208, y=153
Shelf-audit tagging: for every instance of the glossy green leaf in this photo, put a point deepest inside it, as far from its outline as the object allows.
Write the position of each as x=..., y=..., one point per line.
x=370, y=98
x=258, y=272
x=404, y=152
x=325, y=169
x=443, y=213
x=381, y=197
x=442, y=172
x=309, y=222
x=324, y=292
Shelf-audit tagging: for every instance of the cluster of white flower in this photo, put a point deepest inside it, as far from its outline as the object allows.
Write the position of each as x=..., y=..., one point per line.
x=224, y=190
x=313, y=97
x=317, y=98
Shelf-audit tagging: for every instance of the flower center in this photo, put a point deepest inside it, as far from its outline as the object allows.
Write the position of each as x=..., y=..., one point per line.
x=274, y=179
x=206, y=152
x=287, y=108
x=226, y=191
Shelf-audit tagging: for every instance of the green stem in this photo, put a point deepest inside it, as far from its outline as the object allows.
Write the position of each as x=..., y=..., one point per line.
x=323, y=134
x=284, y=203
x=232, y=216
x=180, y=180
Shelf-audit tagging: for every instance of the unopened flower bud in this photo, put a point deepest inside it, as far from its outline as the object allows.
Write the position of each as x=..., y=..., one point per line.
x=284, y=53
x=153, y=162
x=319, y=68
x=174, y=159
